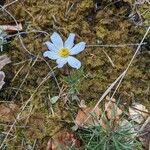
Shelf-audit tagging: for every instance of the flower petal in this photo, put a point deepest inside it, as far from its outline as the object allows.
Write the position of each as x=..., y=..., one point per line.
x=57, y=40
x=70, y=41
x=73, y=62
x=51, y=46
x=61, y=62
x=51, y=55
x=78, y=48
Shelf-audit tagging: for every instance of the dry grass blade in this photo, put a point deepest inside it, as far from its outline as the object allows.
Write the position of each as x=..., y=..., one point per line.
x=113, y=65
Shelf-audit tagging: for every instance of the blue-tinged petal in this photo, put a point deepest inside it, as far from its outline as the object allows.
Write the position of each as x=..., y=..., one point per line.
x=70, y=41
x=57, y=40
x=61, y=62
x=73, y=62
x=77, y=48
x=51, y=55
x=51, y=46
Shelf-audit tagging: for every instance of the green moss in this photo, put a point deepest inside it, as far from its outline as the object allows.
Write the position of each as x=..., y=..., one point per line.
x=106, y=26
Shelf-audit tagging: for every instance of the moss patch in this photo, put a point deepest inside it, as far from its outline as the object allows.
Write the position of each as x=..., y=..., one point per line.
x=107, y=25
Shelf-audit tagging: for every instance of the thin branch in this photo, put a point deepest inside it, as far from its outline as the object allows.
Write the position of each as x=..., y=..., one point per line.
x=113, y=45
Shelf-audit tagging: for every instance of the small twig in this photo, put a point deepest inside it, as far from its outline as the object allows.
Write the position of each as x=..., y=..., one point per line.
x=17, y=73
x=33, y=31
x=34, y=144
x=140, y=110
x=113, y=45
x=9, y=125
x=67, y=12
x=25, y=78
x=10, y=3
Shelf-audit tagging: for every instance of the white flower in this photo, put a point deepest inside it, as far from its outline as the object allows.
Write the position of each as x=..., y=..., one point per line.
x=62, y=51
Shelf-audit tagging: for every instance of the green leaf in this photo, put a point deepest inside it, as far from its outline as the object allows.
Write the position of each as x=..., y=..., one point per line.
x=54, y=99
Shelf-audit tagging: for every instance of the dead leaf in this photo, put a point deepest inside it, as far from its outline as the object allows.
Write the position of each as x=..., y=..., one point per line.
x=112, y=110
x=2, y=76
x=84, y=113
x=4, y=60
x=62, y=140
x=138, y=113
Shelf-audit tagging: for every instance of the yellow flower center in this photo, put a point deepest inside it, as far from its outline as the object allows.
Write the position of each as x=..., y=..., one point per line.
x=64, y=52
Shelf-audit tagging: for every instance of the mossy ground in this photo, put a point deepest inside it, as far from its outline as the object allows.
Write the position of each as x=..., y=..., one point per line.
x=108, y=25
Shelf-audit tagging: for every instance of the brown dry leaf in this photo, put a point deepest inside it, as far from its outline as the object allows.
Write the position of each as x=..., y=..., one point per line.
x=138, y=113
x=4, y=60
x=145, y=133
x=62, y=140
x=8, y=112
x=2, y=76
x=84, y=113
x=112, y=110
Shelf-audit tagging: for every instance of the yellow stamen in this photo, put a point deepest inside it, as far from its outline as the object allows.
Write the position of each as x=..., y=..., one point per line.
x=64, y=52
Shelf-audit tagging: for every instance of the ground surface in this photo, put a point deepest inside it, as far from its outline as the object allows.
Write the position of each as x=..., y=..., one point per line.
x=97, y=23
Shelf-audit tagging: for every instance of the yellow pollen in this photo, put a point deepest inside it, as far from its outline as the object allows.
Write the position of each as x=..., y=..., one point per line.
x=64, y=52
